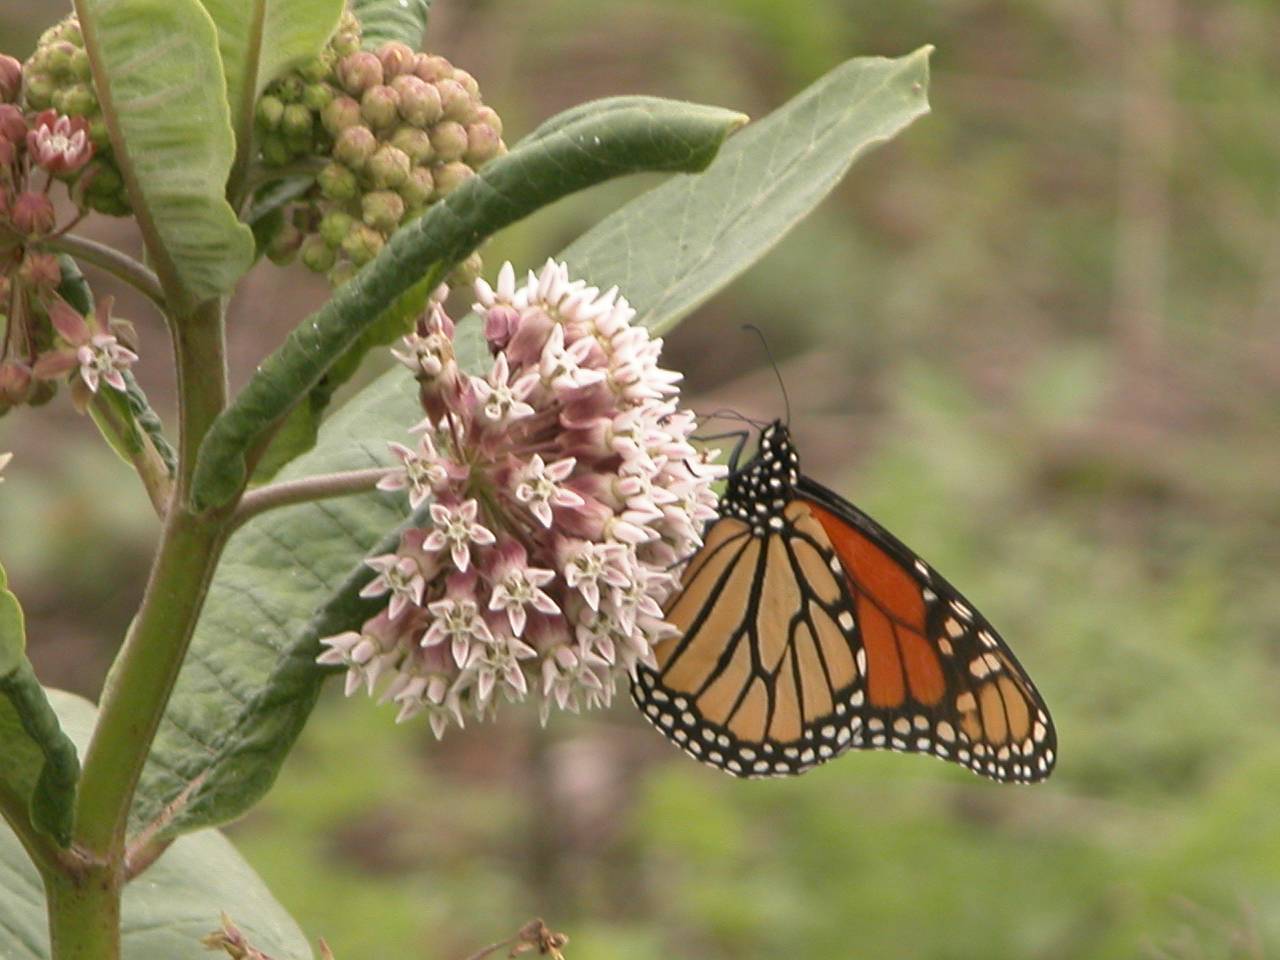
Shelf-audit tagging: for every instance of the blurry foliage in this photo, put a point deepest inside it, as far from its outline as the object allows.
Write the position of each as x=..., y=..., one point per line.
x=950, y=333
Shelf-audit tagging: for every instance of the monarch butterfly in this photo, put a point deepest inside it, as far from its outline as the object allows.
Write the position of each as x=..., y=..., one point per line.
x=807, y=629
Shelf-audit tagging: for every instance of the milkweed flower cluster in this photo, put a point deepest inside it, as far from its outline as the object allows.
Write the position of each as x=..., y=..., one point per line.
x=559, y=488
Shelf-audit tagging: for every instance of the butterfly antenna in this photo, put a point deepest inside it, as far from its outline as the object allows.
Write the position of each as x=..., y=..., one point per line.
x=786, y=401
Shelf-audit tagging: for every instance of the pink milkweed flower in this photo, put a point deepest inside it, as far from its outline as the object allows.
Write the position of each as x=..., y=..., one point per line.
x=60, y=144
x=560, y=485
x=91, y=347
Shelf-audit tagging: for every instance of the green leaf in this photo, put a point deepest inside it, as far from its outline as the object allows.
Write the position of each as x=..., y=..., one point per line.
x=160, y=81
x=674, y=247
x=251, y=666
x=662, y=135
x=383, y=20
x=166, y=910
x=38, y=766
x=259, y=40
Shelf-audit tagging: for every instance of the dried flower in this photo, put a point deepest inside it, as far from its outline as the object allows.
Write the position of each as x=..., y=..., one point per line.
x=559, y=490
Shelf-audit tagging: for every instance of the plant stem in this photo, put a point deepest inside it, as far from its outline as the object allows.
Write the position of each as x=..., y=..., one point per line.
x=107, y=258
x=148, y=663
x=84, y=914
x=322, y=487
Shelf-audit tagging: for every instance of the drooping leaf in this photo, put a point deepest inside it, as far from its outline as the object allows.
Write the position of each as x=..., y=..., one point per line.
x=38, y=765
x=383, y=20
x=168, y=908
x=259, y=40
x=660, y=136
x=252, y=656
x=161, y=84
x=699, y=233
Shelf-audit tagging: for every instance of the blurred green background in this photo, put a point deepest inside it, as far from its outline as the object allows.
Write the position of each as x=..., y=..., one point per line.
x=1037, y=336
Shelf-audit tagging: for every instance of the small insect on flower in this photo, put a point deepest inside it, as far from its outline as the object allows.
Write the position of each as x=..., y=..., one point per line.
x=558, y=488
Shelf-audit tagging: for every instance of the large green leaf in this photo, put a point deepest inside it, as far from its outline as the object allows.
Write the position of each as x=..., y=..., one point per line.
x=259, y=40
x=699, y=233
x=660, y=135
x=251, y=680
x=160, y=80
x=166, y=910
x=38, y=766
x=383, y=20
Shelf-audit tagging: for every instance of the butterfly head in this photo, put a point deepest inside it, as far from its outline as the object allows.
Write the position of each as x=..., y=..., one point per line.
x=761, y=487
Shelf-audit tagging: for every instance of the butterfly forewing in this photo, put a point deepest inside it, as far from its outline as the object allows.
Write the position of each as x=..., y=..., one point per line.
x=807, y=629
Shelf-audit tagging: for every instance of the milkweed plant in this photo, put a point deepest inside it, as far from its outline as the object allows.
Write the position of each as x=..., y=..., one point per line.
x=498, y=519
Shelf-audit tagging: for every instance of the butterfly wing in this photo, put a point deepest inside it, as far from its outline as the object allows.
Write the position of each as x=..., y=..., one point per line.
x=939, y=678
x=822, y=633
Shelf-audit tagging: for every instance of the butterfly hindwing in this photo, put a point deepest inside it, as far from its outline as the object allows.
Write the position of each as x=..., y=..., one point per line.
x=807, y=629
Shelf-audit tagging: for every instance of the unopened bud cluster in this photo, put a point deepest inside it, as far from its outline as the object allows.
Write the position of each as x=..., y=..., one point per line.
x=398, y=130
x=559, y=489
x=42, y=339
x=58, y=78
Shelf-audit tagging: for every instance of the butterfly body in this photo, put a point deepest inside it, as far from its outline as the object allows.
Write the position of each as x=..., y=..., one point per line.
x=807, y=629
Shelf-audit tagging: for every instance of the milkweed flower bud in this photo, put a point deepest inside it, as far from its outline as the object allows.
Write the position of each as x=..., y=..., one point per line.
x=10, y=78
x=557, y=488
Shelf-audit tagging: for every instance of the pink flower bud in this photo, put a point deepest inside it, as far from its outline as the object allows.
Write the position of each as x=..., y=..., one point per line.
x=449, y=140
x=431, y=68
x=450, y=176
x=33, y=214
x=500, y=322
x=358, y=72
x=388, y=167
x=382, y=209
x=414, y=142
x=380, y=107
x=417, y=188
x=354, y=146
x=455, y=100
x=15, y=383
x=40, y=270
x=419, y=101
x=483, y=144
x=13, y=125
x=396, y=58
x=10, y=78
x=340, y=113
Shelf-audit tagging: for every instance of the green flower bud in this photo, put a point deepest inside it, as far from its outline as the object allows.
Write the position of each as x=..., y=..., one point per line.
x=289, y=88
x=58, y=56
x=99, y=134
x=354, y=147
x=432, y=68
x=295, y=123
x=39, y=90
x=419, y=101
x=380, y=107
x=342, y=271
x=414, y=142
x=341, y=113
x=42, y=391
x=80, y=101
x=81, y=68
x=347, y=40
x=396, y=58
x=362, y=244
x=317, y=96
x=359, y=71
x=282, y=247
x=336, y=225
x=455, y=100
x=417, y=188
x=382, y=210
x=275, y=150
x=464, y=274
x=449, y=141
x=337, y=182
x=270, y=111
x=483, y=143
x=69, y=30
x=448, y=176
x=317, y=68
x=316, y=255
x=388, y=167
